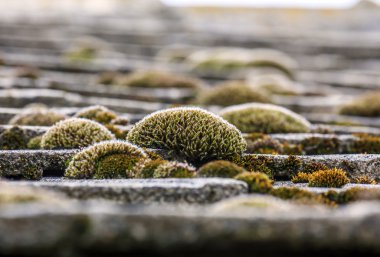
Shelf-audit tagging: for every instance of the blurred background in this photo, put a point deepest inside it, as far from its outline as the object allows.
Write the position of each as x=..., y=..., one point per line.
x=310, y=56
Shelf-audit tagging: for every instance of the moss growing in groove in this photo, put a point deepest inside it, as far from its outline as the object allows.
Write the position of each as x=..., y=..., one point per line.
x=230, y=93
x=192, y=134
x=301, y=196
x=13, y=139
x=313, y=166
x=315, y=145
x=27, y=72
x=32, y=172
x=364, y=179
x=265, y=145
x=265, y=118
x=108, y=78
x=85, y=164
x=328, y=178
x=174, y=170
x=119, y=165
x=75, y=133
x=35, y=142
x=221, y=169
x=156, y=79
x=292, y=164
x=367, y=105
x=255, y=163
x=97, y=113
x=366, y=144
x=37, y=117
x=146, y=168
x=300, y=177
x=257, y=182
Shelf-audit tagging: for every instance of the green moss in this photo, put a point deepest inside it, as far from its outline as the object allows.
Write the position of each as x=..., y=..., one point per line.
x=108, y=78
x=255, y=163
x=115, y=166
x=13, y=139
x=363, y=180
x=147, y=168
x=257, y=182
x=300, y=196
x=292, y=164
x=35, y=142
x=366, y=144
x=174, y=170
x=117, y=131
x=292, y=149
x=315, y=145
x=222, y=169
x=300, y=177
x=97, y=160
x=367, y=105
x=265, y=118
x=230, y=93
x=97, y=113
x=265, y=145
x=155, y=79
x=75, y=133
x=81, y=54
x=37, y=117
x=32, y=172
x=313, y=166
x=328, y=178
x=192, y=134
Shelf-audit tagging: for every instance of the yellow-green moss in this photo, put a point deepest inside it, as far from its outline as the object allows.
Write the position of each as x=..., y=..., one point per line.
x=328, y=178
x=97, y=113
x=35, y=142
x=193, y=134
x=108, y=78
x=75, y=133
x=93, y=161
x=80, y=54
x=300, y=177
x=174, y=170
x=265, y=145
x=32, y=172
x=13, y=139
x=255, y=163
x=230, y=93
x=366, y=144
x=313, y=166
x=257, y=182
x=155, y=79
x=265, y=118
x=367, y=105
x=37, y=117
x=315, y=145
x=222, y=169
x=300, y=196
x=364, y=179
x=146, y=168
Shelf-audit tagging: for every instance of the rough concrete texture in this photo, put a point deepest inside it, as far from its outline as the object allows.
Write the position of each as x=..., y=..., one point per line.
x=266, y=227
x=146, y=190
x=323, y=189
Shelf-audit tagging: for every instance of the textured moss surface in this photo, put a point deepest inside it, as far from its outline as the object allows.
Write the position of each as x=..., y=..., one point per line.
x=146, y=168
x=192, y=134
x=174, y=170
x=97, y=113
x=265, y=118
x=75, y=133
x=257, y=182
x=220, y=168
x=230, y=93
x=94, y=161
x=328, y=178
x=36, y=117
x=13, y=139
x=367, y=105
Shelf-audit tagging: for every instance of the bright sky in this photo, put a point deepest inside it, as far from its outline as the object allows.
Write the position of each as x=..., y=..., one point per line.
x=267, y=3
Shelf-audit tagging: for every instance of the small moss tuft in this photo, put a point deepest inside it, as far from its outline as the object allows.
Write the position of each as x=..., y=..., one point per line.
x=366, y=144
x=363, y=180
x=313, y=166
x=221, y=169
x=155, y=79
x=108, y=78
x=97, y=113
x=105, y=160
x=300, y=177
x=231, y=93
x=37, y=117
x=300, y=196
x=328, y=178
x=174, y=170
x=265, y=118
x=146, y=168
x=13, y=139
x=193, y=134
x=266, y=145
x=367, y=105
x=316, y=145
x=75, y=133
x=32, y=172
x=35, y=142
x=257, y=182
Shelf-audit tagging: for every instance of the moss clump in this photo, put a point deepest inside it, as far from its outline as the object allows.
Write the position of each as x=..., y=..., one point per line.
x=367, y=105
x=116, y=166
x=97, y=113
x=146, y=168
x=313, y=166
x=363, y=180
x=155, y=79
x=265, y=118
x=174, y=170
x=82, y=54
x=366, y=144
x=328, y=178
x=316, y=145
x=257, y=182
x=37, y=117
x=27, y=72
x=300, y=196
x=13, y=139
x=75, y=133
x=231, y=93
x=32, y=172
x=301, y=177
x=265, y=145
x=108, y=78
x=193, y=134
x=93, y=161
x=35, y=142
x=221, y=169
x=252, y=163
